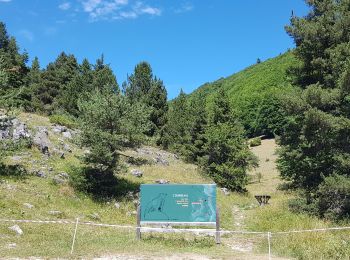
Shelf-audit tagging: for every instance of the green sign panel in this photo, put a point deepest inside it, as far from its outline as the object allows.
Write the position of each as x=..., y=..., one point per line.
x=178, y=203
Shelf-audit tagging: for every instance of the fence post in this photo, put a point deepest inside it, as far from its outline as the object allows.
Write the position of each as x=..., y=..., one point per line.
x=217, y=233
x=74, y=236
x=138, y=226
x=269, y=241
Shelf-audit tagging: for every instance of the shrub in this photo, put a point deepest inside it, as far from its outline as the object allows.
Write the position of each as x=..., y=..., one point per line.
x=255, y=142
x=334, y=197
x=65, y=120
x=99, y=184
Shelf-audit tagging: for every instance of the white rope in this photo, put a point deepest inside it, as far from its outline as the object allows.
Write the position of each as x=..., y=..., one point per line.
x=310, y=230
x=184, y=230
x=75, y=233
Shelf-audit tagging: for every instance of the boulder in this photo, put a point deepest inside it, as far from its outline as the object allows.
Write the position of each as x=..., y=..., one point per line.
x=17, y=230
x=55, y=213
x=64, y=175
x=67, y=135
x=19, y=129
x=225, y=191
x=136, y=173
x=67, y=148
x=58, y=180
x=94, y=216
x=28, y=205
x=41, y=140
x=41, y=174
x=162, y=181
x=160, y=160
x=59, y=129
x=11, y=245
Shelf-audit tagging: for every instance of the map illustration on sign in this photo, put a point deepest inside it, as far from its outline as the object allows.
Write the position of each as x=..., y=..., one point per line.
x=178, y=203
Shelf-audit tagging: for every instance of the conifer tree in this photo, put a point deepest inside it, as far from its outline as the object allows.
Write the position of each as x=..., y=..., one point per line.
x=315, y=141
x=227, y=154
x=13, y=67
x=175, y=134
x=143, y=87
x=55, y=79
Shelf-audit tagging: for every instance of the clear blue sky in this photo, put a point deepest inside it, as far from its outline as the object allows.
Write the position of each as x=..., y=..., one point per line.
x=187, y=42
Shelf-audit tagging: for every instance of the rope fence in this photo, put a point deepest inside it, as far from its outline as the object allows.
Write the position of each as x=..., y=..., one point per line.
x=268, y=234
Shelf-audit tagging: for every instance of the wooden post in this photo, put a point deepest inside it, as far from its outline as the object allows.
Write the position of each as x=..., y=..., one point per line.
x=138, y=226
x=217, y=234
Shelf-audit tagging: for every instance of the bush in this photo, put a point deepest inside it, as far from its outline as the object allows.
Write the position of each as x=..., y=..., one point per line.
x=100, y=185
x=65, y=120
x=255, y=142
x=334, y=197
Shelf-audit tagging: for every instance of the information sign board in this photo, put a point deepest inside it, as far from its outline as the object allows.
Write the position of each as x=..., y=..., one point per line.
x=192, y=203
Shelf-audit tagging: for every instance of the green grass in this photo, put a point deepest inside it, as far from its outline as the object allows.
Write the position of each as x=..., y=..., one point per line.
x=308, y=245
x=54, y=240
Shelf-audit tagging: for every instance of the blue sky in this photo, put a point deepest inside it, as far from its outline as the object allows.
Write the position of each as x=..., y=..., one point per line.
x=187, y=42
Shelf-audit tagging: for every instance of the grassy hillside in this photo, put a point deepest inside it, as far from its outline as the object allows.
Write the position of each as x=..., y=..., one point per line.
x=254, y=91
x=255, y=80
x=237, y=211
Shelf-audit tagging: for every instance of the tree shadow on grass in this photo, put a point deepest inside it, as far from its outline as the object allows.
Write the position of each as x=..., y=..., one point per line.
x=102, y=185
x=17, y=172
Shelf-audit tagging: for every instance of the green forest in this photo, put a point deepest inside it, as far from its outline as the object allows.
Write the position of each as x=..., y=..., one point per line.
x=301, y=98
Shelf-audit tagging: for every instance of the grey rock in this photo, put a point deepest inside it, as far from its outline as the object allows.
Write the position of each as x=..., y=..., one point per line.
x=58, y=180
x=41, y=174
x=16, y=158
x=130, y=213
x=64, y=175
x=55, y=213
x=28, y=205
x=225, y=191
x=19, y=129
x=135, y=202
x=117, y=205
x=130, y=195
x=67, y=135
x=94, y=216
x=162, y=181
x=136, y=173
x=160, y=160
x=59, y=129
x=11, y=245
x=41, y=140
x=17, y=230
x=67, y=148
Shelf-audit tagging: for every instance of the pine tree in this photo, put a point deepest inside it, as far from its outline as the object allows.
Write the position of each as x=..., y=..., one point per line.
x=77, y=88
x=55, y=79
x=157, y=102
x=13, y=67
x=227, y=154
x=175, y=134
x=143, y=87
x=198, y=124
x=315, y=140
x=110, y=124
x=139, y=83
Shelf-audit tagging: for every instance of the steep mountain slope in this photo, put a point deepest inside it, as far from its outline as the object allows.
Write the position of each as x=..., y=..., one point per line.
x=253, y=92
